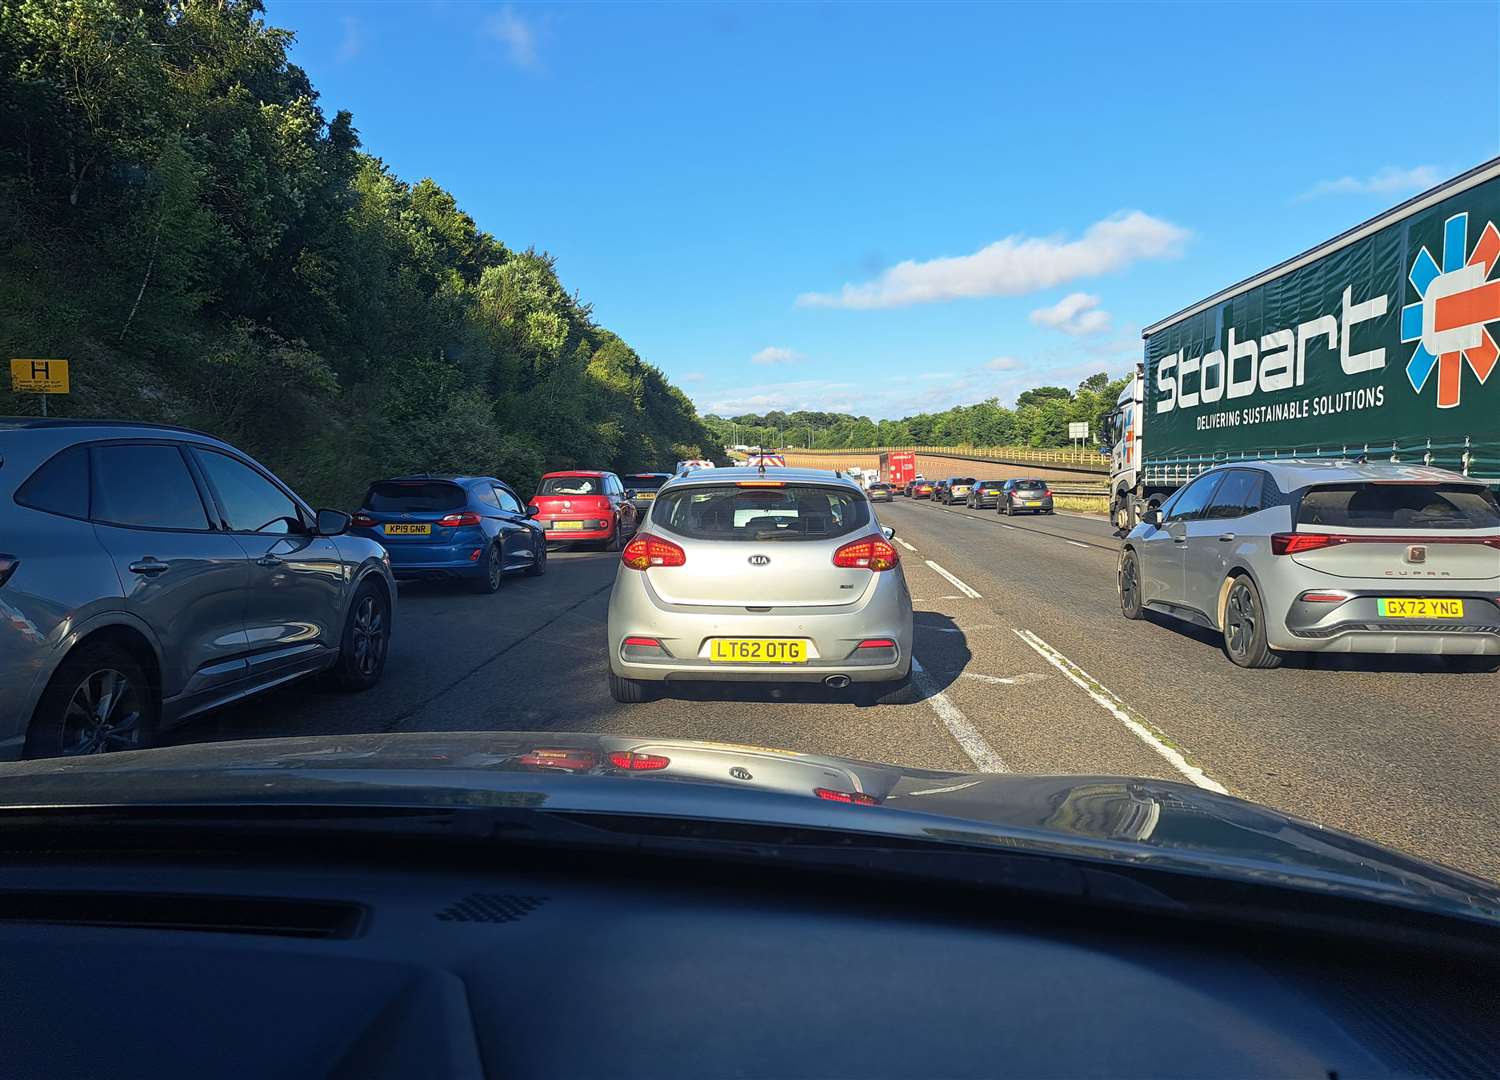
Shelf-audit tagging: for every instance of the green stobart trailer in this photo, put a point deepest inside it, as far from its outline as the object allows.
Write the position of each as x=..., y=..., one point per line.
x=1380, y=343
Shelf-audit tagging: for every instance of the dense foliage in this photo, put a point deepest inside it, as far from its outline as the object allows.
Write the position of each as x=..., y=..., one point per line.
x=1040, y=418
x=180, y=220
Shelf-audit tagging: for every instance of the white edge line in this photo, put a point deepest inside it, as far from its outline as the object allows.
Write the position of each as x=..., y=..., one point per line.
x=904, y=544
x=981, y=753
x=1077, y=543
x=1119, y=710
x=959, y=585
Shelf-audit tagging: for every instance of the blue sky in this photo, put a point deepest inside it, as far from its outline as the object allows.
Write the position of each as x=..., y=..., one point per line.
x=890, y=209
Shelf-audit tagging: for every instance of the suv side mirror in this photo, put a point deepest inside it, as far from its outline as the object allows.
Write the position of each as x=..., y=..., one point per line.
x=532, y=510
x=1152, y=516
x=630, y=493
x=332, y=523
x=888, y=532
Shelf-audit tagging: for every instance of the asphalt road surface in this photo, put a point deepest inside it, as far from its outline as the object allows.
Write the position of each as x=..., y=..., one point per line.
x=1025, y=665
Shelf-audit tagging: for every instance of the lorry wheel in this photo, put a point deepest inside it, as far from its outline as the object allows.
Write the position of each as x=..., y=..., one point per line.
x=1245, y=627
x=1132, y=602
x=1124, y=513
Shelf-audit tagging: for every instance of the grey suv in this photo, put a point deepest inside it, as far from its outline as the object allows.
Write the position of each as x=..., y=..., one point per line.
x=148, y=574
x=1325, y=556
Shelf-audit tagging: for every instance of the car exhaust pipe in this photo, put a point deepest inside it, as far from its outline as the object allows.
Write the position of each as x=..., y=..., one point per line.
x=837, y=682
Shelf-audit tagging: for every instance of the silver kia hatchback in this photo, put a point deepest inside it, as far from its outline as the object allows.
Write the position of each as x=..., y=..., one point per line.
x=1325, y=556
x=750, y=575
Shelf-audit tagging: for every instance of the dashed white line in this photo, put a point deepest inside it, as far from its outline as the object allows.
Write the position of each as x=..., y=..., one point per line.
x=904, y=544
x=1075, y=543
x=959, y=585
x=1012, y=528
x=981, y=753
x=1120, y=711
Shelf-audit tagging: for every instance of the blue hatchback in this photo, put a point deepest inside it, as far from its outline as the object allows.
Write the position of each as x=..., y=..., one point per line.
x=473, y=528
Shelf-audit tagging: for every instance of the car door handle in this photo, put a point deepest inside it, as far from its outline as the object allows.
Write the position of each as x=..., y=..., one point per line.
x=149, y=566
x=268, y=561
x=1226, y=538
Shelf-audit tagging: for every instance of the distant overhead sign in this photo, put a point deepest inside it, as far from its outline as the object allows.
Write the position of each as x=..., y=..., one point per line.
x=39, y=376
x=1078, y=430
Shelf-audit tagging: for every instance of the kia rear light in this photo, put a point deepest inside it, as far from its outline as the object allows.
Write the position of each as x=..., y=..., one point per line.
x=858, y=798
x=458, y=521
x=877, y=643
x=869, y=553
x=646, y=551
x=646, y=642
x=630, y=761
x=362, y=520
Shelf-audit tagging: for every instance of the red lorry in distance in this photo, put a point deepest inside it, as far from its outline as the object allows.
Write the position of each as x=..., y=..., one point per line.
x=898, y=467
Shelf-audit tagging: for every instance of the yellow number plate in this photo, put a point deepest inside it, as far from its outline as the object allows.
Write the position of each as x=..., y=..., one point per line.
x=758, y=651
x=1420, y=607
x=645, y=496
x=398, y=529
x=567, y=524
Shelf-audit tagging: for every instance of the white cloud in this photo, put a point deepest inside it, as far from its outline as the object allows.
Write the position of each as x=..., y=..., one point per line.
x=1390, y=180
x=517, y=34
x=690, y=377
x=353, y=41
x=1002, y=363
x=776, y=354
x=1014, y=265
x=1077, y=314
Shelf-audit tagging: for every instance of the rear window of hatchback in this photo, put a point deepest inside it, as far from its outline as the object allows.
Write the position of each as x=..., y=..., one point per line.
x=414, y=497
x=1399, y=506
x=791, y=512
x=571, y=485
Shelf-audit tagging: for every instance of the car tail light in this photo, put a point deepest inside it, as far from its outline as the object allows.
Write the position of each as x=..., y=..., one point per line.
x=877, y=643
x=1293, y=543
x=1046, y=493
x=648, y=642
x=859, y=798
x=633, y=762
x=457, y=521
x=363, y=520
x=8, y=564
x=602, y=523
x=1324, y=597
x=870, y=553
x=646, y=551
x=567, y=760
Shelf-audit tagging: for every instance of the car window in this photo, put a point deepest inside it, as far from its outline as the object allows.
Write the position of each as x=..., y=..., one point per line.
x=1031, y=485
x=251, y=502
x=645, y=481
x=507, y=501
x=1238, y=495
x=1399, y=506
x=61, y=485
x=570, y=485
x=413, y=497
x=731, y=512
x=1195, y=497
x=486, y=495
x=145, y=485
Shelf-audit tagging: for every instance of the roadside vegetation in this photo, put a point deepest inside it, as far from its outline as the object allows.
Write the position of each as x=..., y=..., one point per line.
x=181, y=221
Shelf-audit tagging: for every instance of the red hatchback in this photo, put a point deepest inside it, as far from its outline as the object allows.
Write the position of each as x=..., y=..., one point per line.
x=580, y=505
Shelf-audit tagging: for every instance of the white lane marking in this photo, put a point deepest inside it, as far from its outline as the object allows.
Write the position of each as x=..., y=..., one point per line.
x=941, y=790
x=1012, y=528
x=981, y=753
x=959, y=585
x=904, y=544
x=1120, y=711
x=1075, y=543
x=1006, y=680
x=955, y=596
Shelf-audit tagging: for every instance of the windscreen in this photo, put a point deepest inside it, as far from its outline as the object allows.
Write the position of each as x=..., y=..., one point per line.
x=645, y=481
x=572, y=485
x=790, y=512
x=1399, y=506
x=413, y=497
x=1031, y=485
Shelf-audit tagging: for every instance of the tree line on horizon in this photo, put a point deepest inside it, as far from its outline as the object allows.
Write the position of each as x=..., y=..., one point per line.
x=1039, y=418
x=181, y=221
